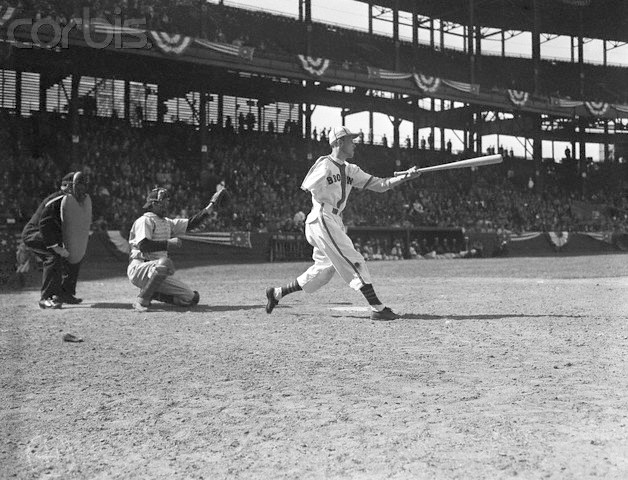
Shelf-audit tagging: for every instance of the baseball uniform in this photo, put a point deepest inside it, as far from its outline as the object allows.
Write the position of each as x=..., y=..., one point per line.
x=330, y=182
x=142, y=264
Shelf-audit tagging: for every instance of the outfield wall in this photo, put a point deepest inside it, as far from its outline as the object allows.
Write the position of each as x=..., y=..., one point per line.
x=110, y=249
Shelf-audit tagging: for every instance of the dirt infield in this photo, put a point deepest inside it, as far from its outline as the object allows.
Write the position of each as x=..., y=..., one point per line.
x=500, y=368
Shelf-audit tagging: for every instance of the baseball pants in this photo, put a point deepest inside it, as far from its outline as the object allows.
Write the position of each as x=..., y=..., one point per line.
x=333, y=252
x=59, y=277
x=139, y=273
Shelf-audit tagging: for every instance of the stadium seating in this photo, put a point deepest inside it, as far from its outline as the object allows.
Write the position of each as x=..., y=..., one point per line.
x=264, y=172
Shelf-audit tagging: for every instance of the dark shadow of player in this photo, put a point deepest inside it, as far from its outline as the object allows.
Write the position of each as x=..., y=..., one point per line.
x=164, y=307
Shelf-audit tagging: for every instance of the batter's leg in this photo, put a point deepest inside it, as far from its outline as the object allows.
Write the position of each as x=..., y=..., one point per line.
x=334, y=244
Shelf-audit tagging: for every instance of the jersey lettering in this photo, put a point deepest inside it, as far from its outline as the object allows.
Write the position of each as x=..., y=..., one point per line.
x=337, y=177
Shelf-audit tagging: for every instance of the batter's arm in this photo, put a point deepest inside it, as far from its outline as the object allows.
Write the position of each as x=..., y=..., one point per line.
x=380, y=185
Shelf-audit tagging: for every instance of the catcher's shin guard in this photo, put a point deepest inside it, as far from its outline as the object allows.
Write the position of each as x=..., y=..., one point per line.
x=190, y=303
x=162, y=269
x=162, y=297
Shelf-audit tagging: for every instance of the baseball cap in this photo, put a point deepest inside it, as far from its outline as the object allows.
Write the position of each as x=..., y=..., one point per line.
x=156, y=195
x=339, y=132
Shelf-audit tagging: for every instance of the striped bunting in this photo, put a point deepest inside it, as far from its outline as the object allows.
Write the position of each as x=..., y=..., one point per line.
x=606, y=237
x=316, y=66
x=387, y=74
x=559, y=238
x=100, y=25
x=566, y=103
x=463, y=87
x=597, y=108
x=232, y=239
x=227, y=49
x=428, y=84
x=621, y=108
x=518, y=97
x=175, y=43
x=524, y=236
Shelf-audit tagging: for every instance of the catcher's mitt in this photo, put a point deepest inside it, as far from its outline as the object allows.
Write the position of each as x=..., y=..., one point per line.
x=220, y=198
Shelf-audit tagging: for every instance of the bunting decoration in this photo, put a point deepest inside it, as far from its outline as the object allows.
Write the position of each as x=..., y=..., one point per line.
x=425, y=83
x=621, y=108
x=566, y=103
x=524, y=236
x=597, y=108
x=315, y=66
x=518, y=97
x=7, y=15
x=232, y=239
x=387, y=74
x=606, y=237
x=228, y=49
x=559, y=239
x=100, y=25
x=473, y=88
x=175, y=43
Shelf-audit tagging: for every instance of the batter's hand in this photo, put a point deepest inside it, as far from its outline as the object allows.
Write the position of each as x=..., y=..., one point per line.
x=174, y=242
x=410, y=173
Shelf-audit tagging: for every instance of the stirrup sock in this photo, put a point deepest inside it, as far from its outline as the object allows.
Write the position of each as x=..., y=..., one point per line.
x=290, y=288
x=371, y=297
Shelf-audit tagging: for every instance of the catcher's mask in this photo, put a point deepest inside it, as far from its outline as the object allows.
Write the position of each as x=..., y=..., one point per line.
x=157, y=196
x=75, y=183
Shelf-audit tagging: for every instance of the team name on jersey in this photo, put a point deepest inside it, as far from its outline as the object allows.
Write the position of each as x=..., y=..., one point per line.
x=336, y=177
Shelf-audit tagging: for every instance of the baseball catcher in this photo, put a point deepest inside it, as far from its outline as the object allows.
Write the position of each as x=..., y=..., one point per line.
x=151, y=236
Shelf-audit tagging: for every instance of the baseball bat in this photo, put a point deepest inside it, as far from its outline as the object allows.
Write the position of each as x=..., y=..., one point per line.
x=471, y=162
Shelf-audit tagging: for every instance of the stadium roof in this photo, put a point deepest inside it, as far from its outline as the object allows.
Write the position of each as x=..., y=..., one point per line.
x=600, y=19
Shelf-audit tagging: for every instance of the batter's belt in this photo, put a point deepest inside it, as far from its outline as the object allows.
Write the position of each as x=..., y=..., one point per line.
x=330, y=209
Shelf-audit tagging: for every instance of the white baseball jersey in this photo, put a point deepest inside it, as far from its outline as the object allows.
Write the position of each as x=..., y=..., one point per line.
x=330, y=183
x=153, y=227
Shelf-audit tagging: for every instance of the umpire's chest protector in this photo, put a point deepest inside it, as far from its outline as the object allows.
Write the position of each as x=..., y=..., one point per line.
x=76, y=219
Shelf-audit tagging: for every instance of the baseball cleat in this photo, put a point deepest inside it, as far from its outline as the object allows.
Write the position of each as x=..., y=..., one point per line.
x=195, y=299
x=138, y=307
x=70, y=299
x=51, y=302
x=386, y=315
x=272, y=301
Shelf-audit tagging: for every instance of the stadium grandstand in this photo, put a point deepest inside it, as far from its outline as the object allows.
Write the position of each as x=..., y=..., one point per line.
x=186, y=94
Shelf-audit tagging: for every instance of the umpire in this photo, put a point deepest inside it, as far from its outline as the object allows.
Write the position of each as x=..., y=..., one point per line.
x=57, y=233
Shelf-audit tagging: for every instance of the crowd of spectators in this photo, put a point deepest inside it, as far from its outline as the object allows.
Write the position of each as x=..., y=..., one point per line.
x=264, y=171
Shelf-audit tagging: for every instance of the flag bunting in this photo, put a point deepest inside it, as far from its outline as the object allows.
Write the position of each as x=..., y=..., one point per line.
x=428, y=84
x=518, y=97
x=315, y=66
x=167, y=43
x=228, y=49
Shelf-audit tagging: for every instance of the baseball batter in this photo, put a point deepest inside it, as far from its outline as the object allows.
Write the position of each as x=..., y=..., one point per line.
x=330, y=181
x=151, y=236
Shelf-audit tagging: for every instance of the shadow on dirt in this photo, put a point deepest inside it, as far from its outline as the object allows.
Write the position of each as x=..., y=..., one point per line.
x=426, y=316
x=160, y=307
x=415, y=316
